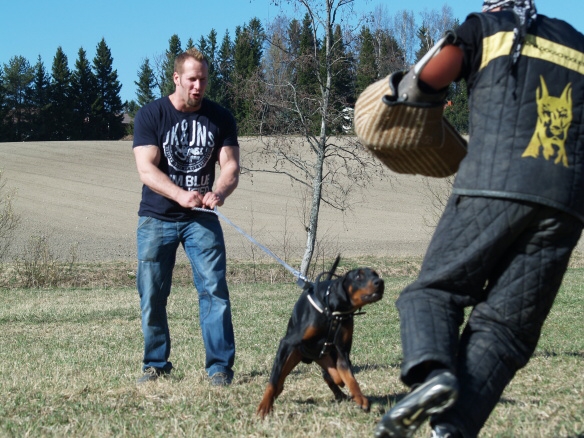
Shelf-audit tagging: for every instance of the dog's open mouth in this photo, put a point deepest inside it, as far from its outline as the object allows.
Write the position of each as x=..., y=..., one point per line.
x=373, y=297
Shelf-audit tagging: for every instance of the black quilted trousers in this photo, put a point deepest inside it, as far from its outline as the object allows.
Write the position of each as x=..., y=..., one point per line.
x=504, y=259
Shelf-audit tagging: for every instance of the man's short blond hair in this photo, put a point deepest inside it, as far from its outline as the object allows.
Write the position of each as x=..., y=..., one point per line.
x=193, y=53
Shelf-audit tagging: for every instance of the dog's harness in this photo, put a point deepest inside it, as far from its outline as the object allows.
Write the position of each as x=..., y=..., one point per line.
x=335, y=317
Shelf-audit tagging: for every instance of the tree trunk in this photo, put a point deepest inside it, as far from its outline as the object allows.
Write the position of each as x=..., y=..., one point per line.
x=314, y=213
x=325, y=87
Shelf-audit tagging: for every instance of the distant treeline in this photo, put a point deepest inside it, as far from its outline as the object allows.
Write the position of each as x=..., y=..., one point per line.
x=85, y=104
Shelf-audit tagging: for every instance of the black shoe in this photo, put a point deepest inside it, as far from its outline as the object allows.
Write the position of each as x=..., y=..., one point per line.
x=150, y=375
x=432, y=397
x=445, y=431
x=220, y=379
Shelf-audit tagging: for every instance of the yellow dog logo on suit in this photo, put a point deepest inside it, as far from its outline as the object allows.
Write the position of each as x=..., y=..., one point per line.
x=554, y=116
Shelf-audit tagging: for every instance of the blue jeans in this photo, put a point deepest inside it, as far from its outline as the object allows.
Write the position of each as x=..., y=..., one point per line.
x=202, y=240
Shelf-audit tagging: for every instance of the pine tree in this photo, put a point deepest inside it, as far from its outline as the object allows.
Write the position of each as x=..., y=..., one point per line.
x=456, y=111
x=3, y=110
x=426, y=42
x=18, y=76
x=248, y=49
x=60, y=113
x=294, y=31
x=84, y=97
x=166, y=82
x=389, y=57
x=342, y=85
x=145, y=93
x=247, y=55
x=146, y=83
x=208, y=46
x=307, y=74
x=366, y=65
x=39, y=102
x=222, y=93
x=307, y=66
x=108, y=108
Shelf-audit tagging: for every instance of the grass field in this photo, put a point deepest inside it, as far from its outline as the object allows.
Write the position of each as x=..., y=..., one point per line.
x=70, y=358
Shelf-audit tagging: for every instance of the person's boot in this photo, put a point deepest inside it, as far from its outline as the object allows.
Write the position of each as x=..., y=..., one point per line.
x=432, y=397
x=445, y=431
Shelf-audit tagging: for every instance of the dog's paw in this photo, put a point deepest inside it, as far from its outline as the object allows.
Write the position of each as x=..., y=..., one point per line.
x=362, y=401
x=266, y=405
x=264, y=410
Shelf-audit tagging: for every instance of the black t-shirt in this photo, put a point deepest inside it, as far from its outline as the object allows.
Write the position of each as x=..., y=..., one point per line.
x=189, y=143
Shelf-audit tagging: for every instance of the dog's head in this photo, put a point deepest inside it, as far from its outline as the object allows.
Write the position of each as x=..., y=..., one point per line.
x=363, y=286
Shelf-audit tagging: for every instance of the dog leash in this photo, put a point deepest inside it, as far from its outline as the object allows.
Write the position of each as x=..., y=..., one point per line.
x=301, y=280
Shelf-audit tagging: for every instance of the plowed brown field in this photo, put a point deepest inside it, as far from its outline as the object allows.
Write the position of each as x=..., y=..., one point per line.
x=87, y=194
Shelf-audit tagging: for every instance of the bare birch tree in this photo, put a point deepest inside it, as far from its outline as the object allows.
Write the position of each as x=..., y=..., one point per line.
x=404, y=31
x=297, y=115
x=437, y=22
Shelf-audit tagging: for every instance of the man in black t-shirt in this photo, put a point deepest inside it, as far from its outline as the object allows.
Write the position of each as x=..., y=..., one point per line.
x=178, y=140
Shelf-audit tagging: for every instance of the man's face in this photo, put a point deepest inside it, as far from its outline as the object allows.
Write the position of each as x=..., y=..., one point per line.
x=191, y=83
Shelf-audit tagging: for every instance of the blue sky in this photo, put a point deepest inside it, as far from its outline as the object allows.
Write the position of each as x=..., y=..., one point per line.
x=134, y=29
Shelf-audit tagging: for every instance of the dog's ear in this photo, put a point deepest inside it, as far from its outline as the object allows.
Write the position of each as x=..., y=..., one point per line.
x=347, y=280
x=350, y=279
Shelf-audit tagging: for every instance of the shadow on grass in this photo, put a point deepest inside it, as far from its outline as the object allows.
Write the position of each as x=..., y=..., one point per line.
x=391, y=367
x=386, y=401
x=251, y=376
x=578, y=354
x=390, y=400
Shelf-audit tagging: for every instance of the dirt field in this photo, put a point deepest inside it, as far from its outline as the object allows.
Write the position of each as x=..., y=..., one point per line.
x=87, y=194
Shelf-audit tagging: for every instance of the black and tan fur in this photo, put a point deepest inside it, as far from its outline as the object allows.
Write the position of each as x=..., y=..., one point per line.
x=309, y=328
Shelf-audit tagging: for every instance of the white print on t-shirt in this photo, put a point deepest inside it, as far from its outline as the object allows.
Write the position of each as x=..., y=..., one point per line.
x=192, y=182
x=188, y=150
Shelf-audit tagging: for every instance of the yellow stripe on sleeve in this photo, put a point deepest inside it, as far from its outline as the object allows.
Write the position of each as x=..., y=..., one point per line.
x=500, y=44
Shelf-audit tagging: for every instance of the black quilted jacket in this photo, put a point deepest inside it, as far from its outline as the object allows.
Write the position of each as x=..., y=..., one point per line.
x=527, y=121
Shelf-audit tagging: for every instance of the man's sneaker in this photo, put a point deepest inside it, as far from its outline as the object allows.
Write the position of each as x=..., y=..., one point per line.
x=445, y=431
x=150, y=375
x=432, y=397
x=220, y=379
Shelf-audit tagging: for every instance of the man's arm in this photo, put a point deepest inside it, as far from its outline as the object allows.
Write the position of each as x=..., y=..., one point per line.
x=228, y=178
x=443, y=68
x=147, y=159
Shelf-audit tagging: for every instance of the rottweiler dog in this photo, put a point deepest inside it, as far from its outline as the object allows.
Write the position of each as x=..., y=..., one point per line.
x=321, y=330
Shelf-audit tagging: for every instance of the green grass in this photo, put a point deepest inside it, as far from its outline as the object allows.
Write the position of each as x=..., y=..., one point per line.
x=70, y=358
